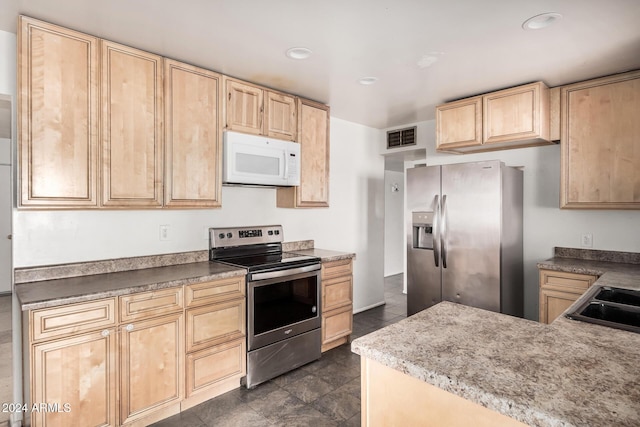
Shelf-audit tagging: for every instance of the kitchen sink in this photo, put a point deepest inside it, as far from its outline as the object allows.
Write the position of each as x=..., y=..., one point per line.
x=609, y=306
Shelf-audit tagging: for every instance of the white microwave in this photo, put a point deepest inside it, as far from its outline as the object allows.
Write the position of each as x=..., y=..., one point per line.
x=259, y=160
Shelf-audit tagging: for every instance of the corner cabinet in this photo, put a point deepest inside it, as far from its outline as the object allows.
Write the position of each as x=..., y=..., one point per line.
x=511, y=118
x=313, y=137
x=600, y=160
x=132, y=114
x=193, y=149
x=58, y=87
x=337, y=303
x=558, y=290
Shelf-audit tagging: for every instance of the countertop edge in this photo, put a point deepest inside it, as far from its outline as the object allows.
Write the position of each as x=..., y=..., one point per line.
x=56, y=302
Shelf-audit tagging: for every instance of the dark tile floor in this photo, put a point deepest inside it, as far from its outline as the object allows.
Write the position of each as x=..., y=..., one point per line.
x=323, y=393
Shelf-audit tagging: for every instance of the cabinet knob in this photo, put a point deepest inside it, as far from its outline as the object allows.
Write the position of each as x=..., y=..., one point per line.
x=129, y=327
x=105, y=333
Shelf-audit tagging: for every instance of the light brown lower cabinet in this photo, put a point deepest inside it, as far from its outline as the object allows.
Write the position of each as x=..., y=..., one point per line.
x=77, y=374
x=136, y=359
x=151, y=366
x=337, y=303
x=391, y=398
x=558, y=290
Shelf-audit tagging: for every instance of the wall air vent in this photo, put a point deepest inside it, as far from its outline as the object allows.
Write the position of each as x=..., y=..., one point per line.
x=401, y=137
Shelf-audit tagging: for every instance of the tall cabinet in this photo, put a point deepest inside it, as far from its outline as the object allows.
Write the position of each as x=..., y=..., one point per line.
x=600, y=161
x=313, y=136
x=193, y=150
x=131, y=127
x=58, y=103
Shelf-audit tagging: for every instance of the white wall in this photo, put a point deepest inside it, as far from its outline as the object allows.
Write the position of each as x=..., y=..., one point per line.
x=393, y=223
x=353, y=223
x=545, y=224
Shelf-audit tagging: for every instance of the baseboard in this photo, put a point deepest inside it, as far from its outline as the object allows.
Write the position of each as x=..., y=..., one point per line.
x=369, y=307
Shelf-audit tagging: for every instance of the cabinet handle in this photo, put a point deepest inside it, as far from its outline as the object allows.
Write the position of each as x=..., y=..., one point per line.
x=129, y=327
x=105, y=333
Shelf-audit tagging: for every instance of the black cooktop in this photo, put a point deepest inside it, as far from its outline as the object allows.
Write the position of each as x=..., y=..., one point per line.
x=267, y=262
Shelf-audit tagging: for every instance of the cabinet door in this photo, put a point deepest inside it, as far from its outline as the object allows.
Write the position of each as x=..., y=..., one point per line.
x=244, y=109
x=553, y=303
x=313, y=136
x=80, y=372
x=558, y=290
x=600, y=158
x=516, y=114
x=459, y=124
x=151, y=365
x=193, y=150
x=336, y=324
x=58, y=116
x=280, y=116
x=131, y=127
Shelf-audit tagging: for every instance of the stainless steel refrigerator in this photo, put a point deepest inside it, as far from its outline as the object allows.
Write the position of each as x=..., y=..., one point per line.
x=464, y=236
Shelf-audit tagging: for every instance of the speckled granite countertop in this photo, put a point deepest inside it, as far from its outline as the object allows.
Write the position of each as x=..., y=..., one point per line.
x=51, y=293
x=594, y=262
x=54, y=285
x=326, y=255
x=569, y=373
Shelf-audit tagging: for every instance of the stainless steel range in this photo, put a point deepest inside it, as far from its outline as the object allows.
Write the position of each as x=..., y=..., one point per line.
x=283, y=299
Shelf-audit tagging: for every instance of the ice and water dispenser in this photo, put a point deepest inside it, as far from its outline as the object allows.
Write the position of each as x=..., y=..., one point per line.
x=422, y=226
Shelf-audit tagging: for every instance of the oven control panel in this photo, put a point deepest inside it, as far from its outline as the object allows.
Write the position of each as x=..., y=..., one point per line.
x=239, y=236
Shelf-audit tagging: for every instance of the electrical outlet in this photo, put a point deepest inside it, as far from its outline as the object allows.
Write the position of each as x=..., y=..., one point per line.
x=587, y=240
x=164, y=232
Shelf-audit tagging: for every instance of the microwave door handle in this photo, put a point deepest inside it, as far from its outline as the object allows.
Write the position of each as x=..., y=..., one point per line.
x=286, y=165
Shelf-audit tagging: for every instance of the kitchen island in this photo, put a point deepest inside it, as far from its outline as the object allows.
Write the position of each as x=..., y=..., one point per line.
x=568, y=373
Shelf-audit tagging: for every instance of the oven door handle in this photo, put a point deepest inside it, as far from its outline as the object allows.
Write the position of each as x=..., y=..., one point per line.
x=281, y=273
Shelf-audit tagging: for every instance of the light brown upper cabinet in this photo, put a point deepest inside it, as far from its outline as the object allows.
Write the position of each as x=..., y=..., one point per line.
x=511, y=118
x=193, y=150
x=131, y=127
x=58, y=116
x=459, y=124
x=600, y=160
x=280, y=118
x=260, y=111
x=313, y=136
x=244, y=106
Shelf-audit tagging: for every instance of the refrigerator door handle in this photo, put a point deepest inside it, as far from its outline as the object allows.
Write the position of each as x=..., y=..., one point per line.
x=436, y=232
x=444, y=231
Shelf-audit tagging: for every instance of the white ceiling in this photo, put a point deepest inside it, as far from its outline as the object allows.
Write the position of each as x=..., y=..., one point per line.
x=479, y=45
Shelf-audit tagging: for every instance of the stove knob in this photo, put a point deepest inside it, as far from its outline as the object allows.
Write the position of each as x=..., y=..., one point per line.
x=270, y=233
x=277, y=232
x=221, y=236
x=229, y=235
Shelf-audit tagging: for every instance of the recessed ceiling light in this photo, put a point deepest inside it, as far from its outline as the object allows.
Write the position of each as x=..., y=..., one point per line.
x=541, y=21
x=299, y=53
x=368, y=80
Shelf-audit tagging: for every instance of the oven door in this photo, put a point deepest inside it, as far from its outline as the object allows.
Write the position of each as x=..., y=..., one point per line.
x=282, y=306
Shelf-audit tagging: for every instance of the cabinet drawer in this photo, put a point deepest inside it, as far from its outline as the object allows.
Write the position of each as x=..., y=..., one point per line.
x=336, y=268
x=337, y=323
x=72, y=318
x=336, y=293
x=215, y=323
x=207, y=367
x=571, y=282
x=145, y=305
x=216, y=291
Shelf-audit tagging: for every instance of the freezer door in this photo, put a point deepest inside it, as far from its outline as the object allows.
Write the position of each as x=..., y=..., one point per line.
x=471, y=234
x=423, y=271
